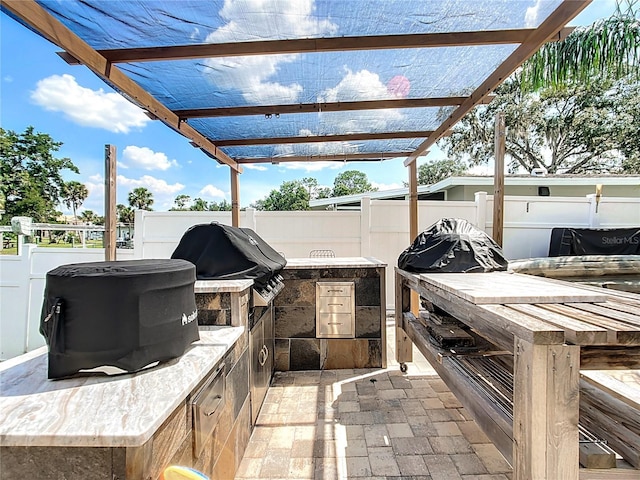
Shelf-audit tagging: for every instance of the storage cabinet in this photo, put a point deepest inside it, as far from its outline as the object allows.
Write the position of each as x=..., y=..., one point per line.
x=335, y=310
x=261, y=348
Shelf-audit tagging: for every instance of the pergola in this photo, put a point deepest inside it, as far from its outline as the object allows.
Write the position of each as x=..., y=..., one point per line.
x=300, y=80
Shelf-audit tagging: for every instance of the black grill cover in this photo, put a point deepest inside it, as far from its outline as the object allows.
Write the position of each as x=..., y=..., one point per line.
x=125, y=314
x=594, y=241
x=223, y=252
x=452, y=245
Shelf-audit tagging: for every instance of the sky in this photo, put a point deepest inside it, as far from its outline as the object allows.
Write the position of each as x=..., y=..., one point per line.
x=75, y=107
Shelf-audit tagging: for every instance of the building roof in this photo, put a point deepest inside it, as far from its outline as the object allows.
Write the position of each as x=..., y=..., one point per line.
x=448, y=183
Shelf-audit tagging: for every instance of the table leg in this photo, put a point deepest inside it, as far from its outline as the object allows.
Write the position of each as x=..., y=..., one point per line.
x=404, y=346
x=545, y=411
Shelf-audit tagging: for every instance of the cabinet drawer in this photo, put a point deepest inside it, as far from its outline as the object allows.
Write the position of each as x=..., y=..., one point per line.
x=334, y=305
x=336, y=325
x=334, y=289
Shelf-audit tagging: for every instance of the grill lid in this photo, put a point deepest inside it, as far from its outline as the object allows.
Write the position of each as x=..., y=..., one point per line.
x=222, y=252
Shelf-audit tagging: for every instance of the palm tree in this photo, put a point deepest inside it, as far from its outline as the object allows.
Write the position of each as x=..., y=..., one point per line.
x=607, y=48
x=73, y=195
x=140, y=199
x=89, y=216
x=125, y=214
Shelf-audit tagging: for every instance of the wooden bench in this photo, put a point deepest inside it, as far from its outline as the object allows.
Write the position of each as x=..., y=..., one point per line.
x=541, y=343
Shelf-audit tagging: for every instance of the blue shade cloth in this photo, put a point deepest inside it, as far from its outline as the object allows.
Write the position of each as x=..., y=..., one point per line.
x=319, y=77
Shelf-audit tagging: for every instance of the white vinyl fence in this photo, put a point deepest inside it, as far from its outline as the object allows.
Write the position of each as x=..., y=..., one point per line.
x=380, y=230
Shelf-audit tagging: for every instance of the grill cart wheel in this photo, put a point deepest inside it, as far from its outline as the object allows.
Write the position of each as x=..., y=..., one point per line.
x=404, y=367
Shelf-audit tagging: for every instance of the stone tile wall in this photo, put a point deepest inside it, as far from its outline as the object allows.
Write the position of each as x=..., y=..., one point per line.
x=297, y=347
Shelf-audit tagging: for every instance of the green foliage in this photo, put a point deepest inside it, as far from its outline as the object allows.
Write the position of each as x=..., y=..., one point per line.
x=73, y=195
x=140, y=199
x=89, y=216
x=125, y=214
x=608, y=48
x=351, y=182
x=181, y=203
x=577, y=129
x=433, y=172
x=30, y=175
x=292, y=195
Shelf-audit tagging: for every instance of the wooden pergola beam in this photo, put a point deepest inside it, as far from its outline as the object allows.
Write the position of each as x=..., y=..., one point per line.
x=345, y=157
x=235, y=142
x=32, y=14
x=550, y=29
x=309, y=45
x=323, y=107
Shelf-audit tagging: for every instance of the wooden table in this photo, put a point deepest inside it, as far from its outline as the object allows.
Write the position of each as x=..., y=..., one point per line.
x=552, y=329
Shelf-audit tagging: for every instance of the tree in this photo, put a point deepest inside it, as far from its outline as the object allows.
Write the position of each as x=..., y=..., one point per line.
x=608, y=48
x=292, y=195
x=351, y=182
x=433, y=172
x=575, y=129
x=89, y=216
x=199, y=205
x=125, y=214
x=140, y=199
x=181, y=202
x=30, y=175
x=223, y=206
x=73, y=196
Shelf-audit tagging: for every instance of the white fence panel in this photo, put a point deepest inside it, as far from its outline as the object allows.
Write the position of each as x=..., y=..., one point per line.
x=297, y=233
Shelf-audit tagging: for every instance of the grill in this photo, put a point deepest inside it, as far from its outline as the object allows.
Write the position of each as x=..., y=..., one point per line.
x=221, y=252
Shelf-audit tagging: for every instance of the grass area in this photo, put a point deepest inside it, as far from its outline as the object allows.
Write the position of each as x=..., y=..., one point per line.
x=12, y=249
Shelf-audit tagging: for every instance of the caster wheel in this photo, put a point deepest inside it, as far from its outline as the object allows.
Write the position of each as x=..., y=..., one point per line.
x=404, y=367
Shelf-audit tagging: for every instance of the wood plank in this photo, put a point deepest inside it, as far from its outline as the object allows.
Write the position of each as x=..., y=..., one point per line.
x=620, y=306
x=594, y=453
x=576, y=331
x=624, y=473
x=612, y=420
x=308, y=45
x=545, y=403
x=609, y=358
x=618, y=333
x=631, y=319
x=623, y=385
x=496, y=328
x=404, y=348
x=550, y=27
x=347, y=157
x=283, y=109
x=349, y=137
x=504, y=287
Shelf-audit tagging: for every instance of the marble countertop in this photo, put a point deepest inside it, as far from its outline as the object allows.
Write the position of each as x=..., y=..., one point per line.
x=337, y=262
x=220, y=286
x=101, y=411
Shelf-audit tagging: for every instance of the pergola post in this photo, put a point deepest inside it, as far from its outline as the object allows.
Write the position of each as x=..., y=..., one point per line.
x=235, y=198
x=498, y=179
x=110, y=213
x=413, y=222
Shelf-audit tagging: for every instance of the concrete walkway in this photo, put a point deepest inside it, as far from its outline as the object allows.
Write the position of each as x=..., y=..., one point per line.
x=369, y=423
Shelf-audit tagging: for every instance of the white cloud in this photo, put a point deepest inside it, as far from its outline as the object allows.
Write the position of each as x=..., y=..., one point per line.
x=147, y=159
x=531, y=16
x=212, y=192
x=255, y=166
x=257, y=20
x=86, y=107
x=7, y=78
x=157, y=186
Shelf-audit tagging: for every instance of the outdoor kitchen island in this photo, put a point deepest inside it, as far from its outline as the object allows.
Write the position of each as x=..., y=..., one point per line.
x=331, y=314
x=128, y=426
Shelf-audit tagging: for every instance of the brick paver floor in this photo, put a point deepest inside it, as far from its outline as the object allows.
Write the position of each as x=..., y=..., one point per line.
x=368, y=424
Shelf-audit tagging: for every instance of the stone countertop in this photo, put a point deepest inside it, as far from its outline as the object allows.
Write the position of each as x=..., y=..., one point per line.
x=221, y=286
x=101, y=411
x=337, y=262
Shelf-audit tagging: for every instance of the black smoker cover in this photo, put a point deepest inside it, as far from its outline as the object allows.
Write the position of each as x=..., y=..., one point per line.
x=594, y=241
x=125, y=314
x=223, y=252
x=452, y=245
